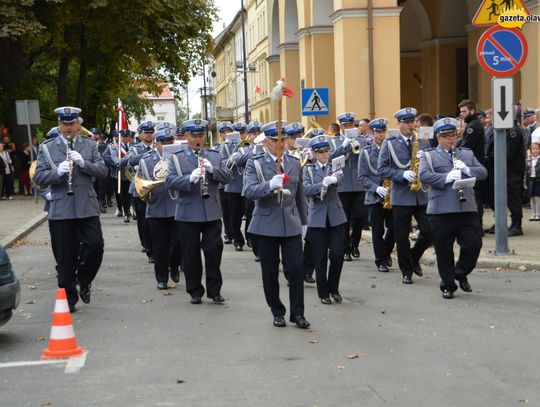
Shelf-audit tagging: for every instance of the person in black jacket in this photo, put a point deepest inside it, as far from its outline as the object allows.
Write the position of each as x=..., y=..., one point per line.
x=473, y=138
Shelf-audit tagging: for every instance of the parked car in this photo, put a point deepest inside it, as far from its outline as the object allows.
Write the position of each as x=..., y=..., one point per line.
x=10, y=288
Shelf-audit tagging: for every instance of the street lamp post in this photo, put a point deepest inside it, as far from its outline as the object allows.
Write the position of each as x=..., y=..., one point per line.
x=244, y=62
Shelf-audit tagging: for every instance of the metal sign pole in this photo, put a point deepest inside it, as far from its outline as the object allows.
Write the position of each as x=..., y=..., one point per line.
x=501, y=210
x=32, y=158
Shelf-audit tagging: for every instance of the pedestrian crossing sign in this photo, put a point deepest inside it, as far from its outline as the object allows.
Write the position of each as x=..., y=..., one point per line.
x=489, y=11
x=315, y=102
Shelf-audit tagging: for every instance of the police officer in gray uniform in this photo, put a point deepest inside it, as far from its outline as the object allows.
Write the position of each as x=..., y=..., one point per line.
x=223, y=129
x=234, y=188
x=146, y=133
x=394, y=163
x=195, y=174
x=452, y=218
x=326, y=219
x=110, y=156
x=277, y=223
x=351, y=192
x=372, y=181
x=160, y=210
x=74, y=209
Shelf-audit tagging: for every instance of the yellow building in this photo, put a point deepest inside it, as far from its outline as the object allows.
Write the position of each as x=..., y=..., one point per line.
x=375, y=56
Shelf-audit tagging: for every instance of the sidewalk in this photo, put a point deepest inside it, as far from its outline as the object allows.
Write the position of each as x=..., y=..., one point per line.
x=22, y=215
x=19, y=217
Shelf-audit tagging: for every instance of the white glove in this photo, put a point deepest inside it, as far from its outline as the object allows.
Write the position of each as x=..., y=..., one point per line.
x=48, y=196
x=309, y=155
x=329, y=180
x=195, y=175
x=460, y=165
x=63, y=168
x=347, y=142
x=382, y=191
x=76, y=157
x=419, y=154
x=276, y=182
x=409, y=175
x=208, y=166
x=453, y=175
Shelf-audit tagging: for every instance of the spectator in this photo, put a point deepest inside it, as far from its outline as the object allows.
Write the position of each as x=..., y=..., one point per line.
x=25, y=161
x=7, y=189
x=2, y=172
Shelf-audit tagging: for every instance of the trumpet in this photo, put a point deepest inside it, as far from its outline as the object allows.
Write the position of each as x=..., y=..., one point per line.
x=203, y=182
x=69, y=147
x=144, y=187
x=245, y=142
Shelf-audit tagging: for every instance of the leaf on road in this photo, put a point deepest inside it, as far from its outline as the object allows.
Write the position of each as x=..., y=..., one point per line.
x=522, y=268
x=30, y=302
x=314, y=341
x=373, y=286
x=383, y=311
x=32, y=287
x=341, y=367
x=46, y=403
x=524, y=401
x=178, y=381
x=352, y=356
x=478, y=291
x=147, y=301
x=492, y=327
x=167, y=294
x=41, y=339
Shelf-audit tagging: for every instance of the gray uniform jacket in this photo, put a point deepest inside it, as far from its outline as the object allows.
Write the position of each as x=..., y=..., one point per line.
x=135, y=153
x=330, y=207
x=368, y=175
x=110, y=156
x=350, y=172
x=83, y=203
x=242, y=159
x=269, y=217
x=160, y=204
x=235, y=186
x=394, y=160
x=435, y=164
x=190, y=206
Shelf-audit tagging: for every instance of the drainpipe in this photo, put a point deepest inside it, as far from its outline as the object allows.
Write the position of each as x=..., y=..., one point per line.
x=371, y=67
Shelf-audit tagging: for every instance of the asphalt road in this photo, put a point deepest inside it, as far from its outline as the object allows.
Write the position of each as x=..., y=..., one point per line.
x=386, y=344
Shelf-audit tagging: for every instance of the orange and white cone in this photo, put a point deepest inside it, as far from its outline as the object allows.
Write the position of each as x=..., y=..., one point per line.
x=62, y=342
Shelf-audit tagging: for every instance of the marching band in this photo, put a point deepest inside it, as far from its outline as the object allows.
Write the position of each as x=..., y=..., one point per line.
x=304, y=204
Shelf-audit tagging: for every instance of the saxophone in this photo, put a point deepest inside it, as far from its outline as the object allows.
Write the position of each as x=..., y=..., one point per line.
x=415, y=184
x=386, y=200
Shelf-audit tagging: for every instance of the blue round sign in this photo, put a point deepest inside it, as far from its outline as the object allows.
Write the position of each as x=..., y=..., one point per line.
x=502, y=51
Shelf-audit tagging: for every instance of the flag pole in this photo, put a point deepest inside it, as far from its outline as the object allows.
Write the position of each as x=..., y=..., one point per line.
x=118, y=130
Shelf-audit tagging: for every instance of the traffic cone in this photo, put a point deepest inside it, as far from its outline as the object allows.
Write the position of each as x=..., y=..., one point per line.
x=62, y=343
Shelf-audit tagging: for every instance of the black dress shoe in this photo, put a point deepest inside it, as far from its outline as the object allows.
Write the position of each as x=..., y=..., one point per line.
x=175, y=275
x=72, y=308
x=515, y=231
x=162, y=286
x=279, y=322
x=355, y=252
x=447, y=294
x=300, y=321
x=126, y=219
x=195, y=299
x=227, y=240
x=347, y=257
x=238, y=247
x=309, y=279
x=389, y=261
x=84, y=293
x=248, y=242
x=143, y=250
x=218, y=299
x=407, y=280
x=337, y=298
x=151, y=260
x=326, y=301
x=465, y=286
x=257, y=259
x=418, y=270
x=383, y=268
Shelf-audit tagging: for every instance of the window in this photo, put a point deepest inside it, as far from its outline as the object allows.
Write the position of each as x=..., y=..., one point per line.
x=160, y=118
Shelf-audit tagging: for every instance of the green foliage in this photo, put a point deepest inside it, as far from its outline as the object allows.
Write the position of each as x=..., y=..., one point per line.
x=108, y=49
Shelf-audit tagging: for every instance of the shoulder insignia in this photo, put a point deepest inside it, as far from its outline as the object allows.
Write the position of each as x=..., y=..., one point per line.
x=464, y=149
x=470, y=130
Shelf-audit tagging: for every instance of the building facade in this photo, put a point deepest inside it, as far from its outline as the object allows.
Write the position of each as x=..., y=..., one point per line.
x=374, y=56
x=163, y=106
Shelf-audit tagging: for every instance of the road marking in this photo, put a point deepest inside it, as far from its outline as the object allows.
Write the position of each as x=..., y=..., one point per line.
x=73, y=365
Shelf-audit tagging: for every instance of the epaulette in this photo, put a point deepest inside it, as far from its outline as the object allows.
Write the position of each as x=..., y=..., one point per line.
x=148, y=154
x=48, y=140
x=259, y=156
x=464, y=148
x=369, y=147
x=429, y=149
x=392, y=137
x=212, y=150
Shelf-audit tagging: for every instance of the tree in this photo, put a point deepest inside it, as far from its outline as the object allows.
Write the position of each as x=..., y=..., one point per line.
x=90, y=53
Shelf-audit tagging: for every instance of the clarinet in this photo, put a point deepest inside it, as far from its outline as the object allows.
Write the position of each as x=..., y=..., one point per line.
x=69, y=148
x=461, y=192
x=203, y=182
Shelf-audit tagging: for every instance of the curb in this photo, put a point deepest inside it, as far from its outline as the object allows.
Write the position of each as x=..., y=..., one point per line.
x=22, y=231
x=483, y=263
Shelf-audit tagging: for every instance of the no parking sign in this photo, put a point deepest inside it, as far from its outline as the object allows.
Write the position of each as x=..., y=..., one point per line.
x=502, y=51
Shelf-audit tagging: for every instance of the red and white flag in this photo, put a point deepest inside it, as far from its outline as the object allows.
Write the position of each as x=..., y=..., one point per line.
x=257, y=89
x=121, y=123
